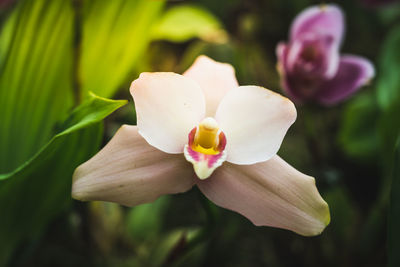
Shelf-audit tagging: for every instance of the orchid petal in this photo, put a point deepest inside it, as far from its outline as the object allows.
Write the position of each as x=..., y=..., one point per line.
x=168, y=106
x=270, y=193
x=323, y=19
x=332, y=60
x=353, y=73
x=281, y=53
x=324, y=45
x=254, y=120
x=282, y=50
x=215, y=78
x=129, y=171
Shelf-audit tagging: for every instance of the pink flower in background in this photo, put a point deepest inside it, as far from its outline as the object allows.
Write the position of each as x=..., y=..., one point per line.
x=310, y=65
x=6, y=3
x=228, y=134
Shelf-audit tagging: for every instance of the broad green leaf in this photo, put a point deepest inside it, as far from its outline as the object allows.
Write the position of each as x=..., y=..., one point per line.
x=35, y=77
x=40, y=189
x=388, y=89
x=358, y=135
x=115, y=34
x=389, y=94
x=394, y=214
x=184, y=22
x=6, y=36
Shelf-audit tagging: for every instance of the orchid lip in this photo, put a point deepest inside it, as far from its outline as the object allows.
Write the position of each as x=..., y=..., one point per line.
x=206, y=148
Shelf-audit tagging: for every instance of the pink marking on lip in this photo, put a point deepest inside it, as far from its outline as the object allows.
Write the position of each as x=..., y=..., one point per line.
x=194, y=154
x=222, y=142
x=212, y=159
x=198, y=156
x=191, y=136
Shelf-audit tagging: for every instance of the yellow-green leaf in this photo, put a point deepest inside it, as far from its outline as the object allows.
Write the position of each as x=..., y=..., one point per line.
x=185, y=22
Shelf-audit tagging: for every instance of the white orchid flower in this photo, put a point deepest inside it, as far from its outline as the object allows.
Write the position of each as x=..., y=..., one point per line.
x=229, y=133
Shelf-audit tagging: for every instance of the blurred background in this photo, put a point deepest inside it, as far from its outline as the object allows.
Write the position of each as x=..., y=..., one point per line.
x=61, y=63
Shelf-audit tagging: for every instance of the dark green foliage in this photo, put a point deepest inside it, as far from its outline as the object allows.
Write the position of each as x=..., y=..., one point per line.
x=54, y=53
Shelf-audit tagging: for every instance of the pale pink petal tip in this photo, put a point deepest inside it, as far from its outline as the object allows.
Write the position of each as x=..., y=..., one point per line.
x=130, y=172
x=270, y=193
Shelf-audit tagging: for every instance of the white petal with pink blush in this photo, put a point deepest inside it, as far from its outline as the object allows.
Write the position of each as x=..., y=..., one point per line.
x=244, y=125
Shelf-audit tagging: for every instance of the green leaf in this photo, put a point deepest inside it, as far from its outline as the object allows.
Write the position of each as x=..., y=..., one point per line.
x=93, y=110
x=389, y=79
x=115, y=35
x=106, y=224
x=390, y=13
x=144, y=221
x=173, y=243
x=35, y=77
x=344, y=212
x=389, y=97
x=389, y=129
x=37, y=191
x=184, y=22
x=358, y=134
x=394, y=214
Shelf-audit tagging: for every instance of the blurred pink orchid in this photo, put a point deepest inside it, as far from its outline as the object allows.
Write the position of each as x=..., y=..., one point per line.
x=208, y=117
x=310, y=65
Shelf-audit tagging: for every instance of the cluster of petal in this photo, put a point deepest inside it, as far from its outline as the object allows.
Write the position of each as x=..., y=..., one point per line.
x=143, y=162
x=310, y=65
